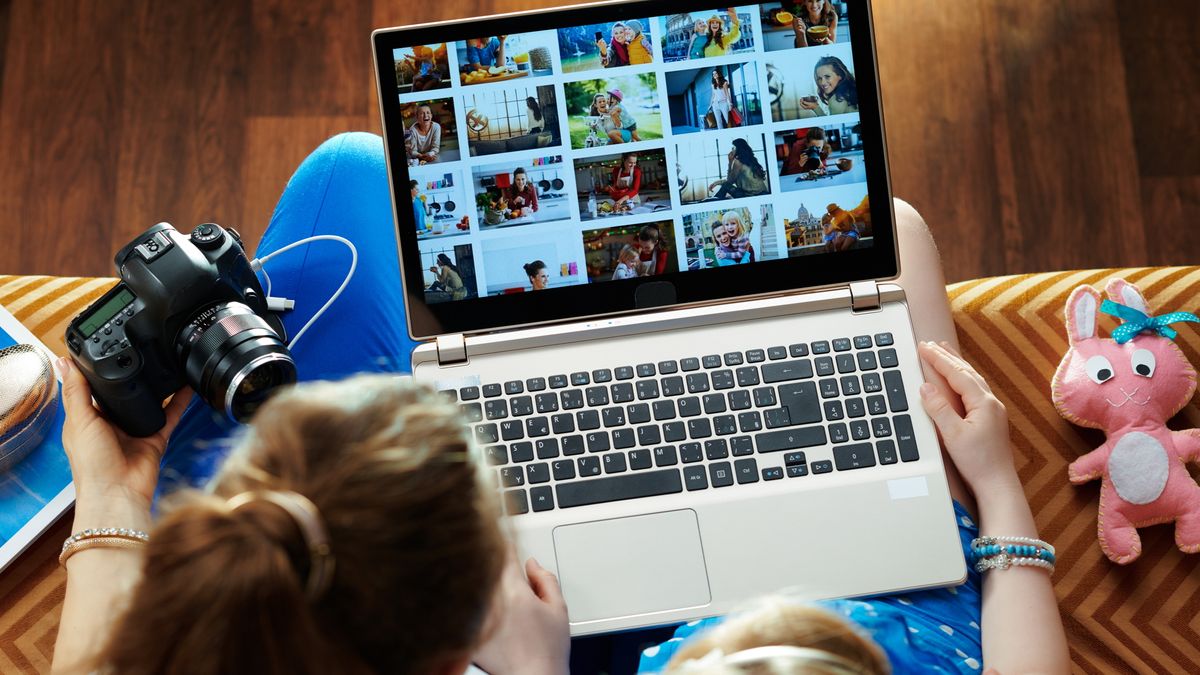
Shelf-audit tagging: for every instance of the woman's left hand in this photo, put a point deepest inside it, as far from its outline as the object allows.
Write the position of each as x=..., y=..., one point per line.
x=108, y=466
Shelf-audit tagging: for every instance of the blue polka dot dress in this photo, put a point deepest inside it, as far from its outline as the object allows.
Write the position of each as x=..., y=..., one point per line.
x=934, y=631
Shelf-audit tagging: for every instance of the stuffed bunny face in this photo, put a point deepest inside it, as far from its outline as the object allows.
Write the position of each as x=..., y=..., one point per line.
x=1104, y=385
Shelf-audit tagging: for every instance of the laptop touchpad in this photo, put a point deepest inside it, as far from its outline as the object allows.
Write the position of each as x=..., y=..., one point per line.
x=629, y=566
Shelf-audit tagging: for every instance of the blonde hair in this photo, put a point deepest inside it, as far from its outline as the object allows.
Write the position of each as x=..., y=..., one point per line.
x=780, y=621
x=741, y=222
x=413, y=529
x=628, y=254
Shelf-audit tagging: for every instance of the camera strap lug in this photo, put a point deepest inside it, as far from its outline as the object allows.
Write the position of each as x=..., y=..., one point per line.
x=452, y=349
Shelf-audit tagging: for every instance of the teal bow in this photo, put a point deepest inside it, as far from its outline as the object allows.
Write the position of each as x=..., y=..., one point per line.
x=1135, y=322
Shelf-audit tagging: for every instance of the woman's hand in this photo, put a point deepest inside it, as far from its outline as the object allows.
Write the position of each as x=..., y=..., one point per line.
x=114, y=473
x=529, y=632
x=978, y=441
x=808, y=105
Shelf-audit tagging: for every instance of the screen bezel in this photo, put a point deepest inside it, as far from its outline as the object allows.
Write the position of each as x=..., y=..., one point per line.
x=590, y=300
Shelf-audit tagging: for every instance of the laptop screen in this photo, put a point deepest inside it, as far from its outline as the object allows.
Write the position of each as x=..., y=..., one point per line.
x=603, y=159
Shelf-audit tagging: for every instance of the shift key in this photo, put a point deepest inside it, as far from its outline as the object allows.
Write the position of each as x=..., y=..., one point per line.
x=790, y=439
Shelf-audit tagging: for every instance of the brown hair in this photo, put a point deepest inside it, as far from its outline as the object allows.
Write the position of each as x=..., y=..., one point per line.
x=779, y=621
x=412, y=526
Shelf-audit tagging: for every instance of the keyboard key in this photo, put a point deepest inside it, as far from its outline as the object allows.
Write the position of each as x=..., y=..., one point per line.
x=860, y=430
x=741, y=446
x=833, y=410
x=756, y=356
x=672, y=386
x=646, y=370
x=624, y=373
x=541, y=498
x=515, y=502
x=695, y=478
x=616, y=488
x=764, y=396
x=664, y=410
x=614, y=462
x=888, y=358
x=905, y=439
x=772, y=473
x=486, y=433
x=495, y=409
x=563, y=469
x=468, y=393
x=673, y=432
x=512, y=476
x=739, y=400
x=845, y=363
x=720, y=474
x=648, y=435
x=596, y=396
x=572, y=399
x=522, y=452
x=872, y=383
x=824, y=366
x=623, y=439
x=850, y=386
x=786, y=371
x=711, y=361
x=613, y=417
x=747, y=376
x=699, y=428
x=647, y=389
x=511, y=430
x=689, y=364
x=724, y=425
x=521, y=406
x=778, y=353
x=823, y=466
x=777, y=418
x=749, y=422
x=546, y=448
x=880, y=427
x=588, y=466
x=797, y=470
x=841, y=345
x=492, y=390
x=689, y=406
x=746, y=471
x=793, y=458
x=892, y=382
x=667, y=367
x=862, y=341
x=855, y=408
x=638, y=413
x=790, y=439
x=714, y=403
x=472, y=411
x=716, y=448
x=588, y=420
x=572, y=445
x=838, y=433
x=866, y=361
x=450, y=395
x=829, y=388
x=733, y=358
x=598, y=441
x=883, y=339
x=536, y=427
x=797, y=350
x=690, y=453
x=887, y=452
x=514, y=387
x=664, y=455
x=580, y=379
x=622, y=392
x=558, y=381
x=856, y=456
x=722, y=379
x=496, y=455
x=821, y=347
x=535, y=384
x=537, y=473
x=640, y=459
x=601, y=376
x=801, y=402
x=546, y=403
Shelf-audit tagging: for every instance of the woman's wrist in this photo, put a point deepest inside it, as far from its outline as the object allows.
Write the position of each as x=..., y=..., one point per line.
x=110, y=506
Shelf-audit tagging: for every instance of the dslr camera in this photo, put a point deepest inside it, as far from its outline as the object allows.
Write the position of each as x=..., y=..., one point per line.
x=188, y=310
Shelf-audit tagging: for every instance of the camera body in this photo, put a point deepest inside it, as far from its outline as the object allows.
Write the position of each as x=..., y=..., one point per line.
x=188, y=310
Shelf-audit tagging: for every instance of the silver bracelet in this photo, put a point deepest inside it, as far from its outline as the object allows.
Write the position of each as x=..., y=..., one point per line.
x=1029, y=541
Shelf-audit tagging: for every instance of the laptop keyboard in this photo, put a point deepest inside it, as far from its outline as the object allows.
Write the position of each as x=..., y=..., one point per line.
x=698, y=423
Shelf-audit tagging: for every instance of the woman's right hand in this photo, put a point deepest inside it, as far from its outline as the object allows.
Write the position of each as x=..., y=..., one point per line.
x=529, y=632
x=977, y=441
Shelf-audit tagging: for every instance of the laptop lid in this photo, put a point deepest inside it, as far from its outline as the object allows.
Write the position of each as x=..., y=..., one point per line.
x=618, y=157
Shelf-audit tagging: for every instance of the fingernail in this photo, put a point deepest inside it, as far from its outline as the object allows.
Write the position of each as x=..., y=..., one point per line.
x=927, y=389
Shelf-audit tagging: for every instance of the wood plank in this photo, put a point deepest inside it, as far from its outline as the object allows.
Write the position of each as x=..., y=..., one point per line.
x=1172, y=208
x=184, y=109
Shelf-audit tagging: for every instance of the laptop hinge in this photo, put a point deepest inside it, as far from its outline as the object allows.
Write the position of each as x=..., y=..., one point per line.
x=864, y=296
x=451, y=349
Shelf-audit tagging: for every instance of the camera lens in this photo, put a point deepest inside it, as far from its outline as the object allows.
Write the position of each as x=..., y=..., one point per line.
x=234, y=359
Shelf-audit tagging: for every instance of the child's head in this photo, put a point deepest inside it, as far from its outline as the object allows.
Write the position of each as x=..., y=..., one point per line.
x=412, y=530
x=629, y=255
x=830, y=646
x=635, y=29
x=732, y=220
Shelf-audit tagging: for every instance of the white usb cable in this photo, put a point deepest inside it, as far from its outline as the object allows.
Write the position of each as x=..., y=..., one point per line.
x=284, y=304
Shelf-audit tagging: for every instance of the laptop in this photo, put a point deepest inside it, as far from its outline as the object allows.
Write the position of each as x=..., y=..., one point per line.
x=646, y=247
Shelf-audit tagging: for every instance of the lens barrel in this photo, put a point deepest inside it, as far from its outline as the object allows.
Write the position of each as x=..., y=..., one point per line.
x=234, y=359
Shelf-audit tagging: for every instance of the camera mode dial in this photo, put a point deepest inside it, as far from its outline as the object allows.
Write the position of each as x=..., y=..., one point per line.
x=208, y=236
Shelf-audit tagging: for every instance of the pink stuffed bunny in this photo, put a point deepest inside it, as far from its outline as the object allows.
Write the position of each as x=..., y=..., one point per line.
x=1129, y=391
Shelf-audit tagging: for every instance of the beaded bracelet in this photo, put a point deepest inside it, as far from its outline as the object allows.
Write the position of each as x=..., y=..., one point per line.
x=109, y=537
x=988, y=554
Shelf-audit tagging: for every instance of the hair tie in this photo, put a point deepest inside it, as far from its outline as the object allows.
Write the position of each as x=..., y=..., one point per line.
x=308, y=519
x=759, y=654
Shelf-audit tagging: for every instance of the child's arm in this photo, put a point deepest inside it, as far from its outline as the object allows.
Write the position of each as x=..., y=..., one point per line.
x=1022, y=630
x=529, y=619
x=1090, y=466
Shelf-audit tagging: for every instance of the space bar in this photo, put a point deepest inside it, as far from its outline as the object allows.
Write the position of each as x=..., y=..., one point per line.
x=616, y=488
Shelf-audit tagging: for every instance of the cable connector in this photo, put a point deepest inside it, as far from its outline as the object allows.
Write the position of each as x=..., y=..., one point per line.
x=280, y=304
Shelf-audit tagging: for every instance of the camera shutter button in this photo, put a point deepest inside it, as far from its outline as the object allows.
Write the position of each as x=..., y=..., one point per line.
x=208, y=236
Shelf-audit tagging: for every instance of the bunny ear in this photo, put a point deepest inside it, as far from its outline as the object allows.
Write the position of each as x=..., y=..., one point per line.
x=1081, y=313
x=1126, y=293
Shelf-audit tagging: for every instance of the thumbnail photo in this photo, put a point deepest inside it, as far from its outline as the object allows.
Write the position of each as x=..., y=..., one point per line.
x=440, y=206
x=827, y=220
x=811, y=83
x=522, y=191
x=605, y=45
x=726, y=237
x=630, y=251
x=449, y=271
x=511, y=119
x=430, y=131
x=500, y=58
x=523, y=263
x=421, y=68
x=699, y=35
x=820, y=156
x=803, y=24
x=614, y=110
x=715, y=97
x=630, y=183
x=710, y=169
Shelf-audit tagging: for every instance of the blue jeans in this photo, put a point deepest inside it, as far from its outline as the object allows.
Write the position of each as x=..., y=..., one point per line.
x=342, y=189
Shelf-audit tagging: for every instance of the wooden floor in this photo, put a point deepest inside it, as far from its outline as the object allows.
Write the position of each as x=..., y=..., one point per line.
x=1032, y=135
